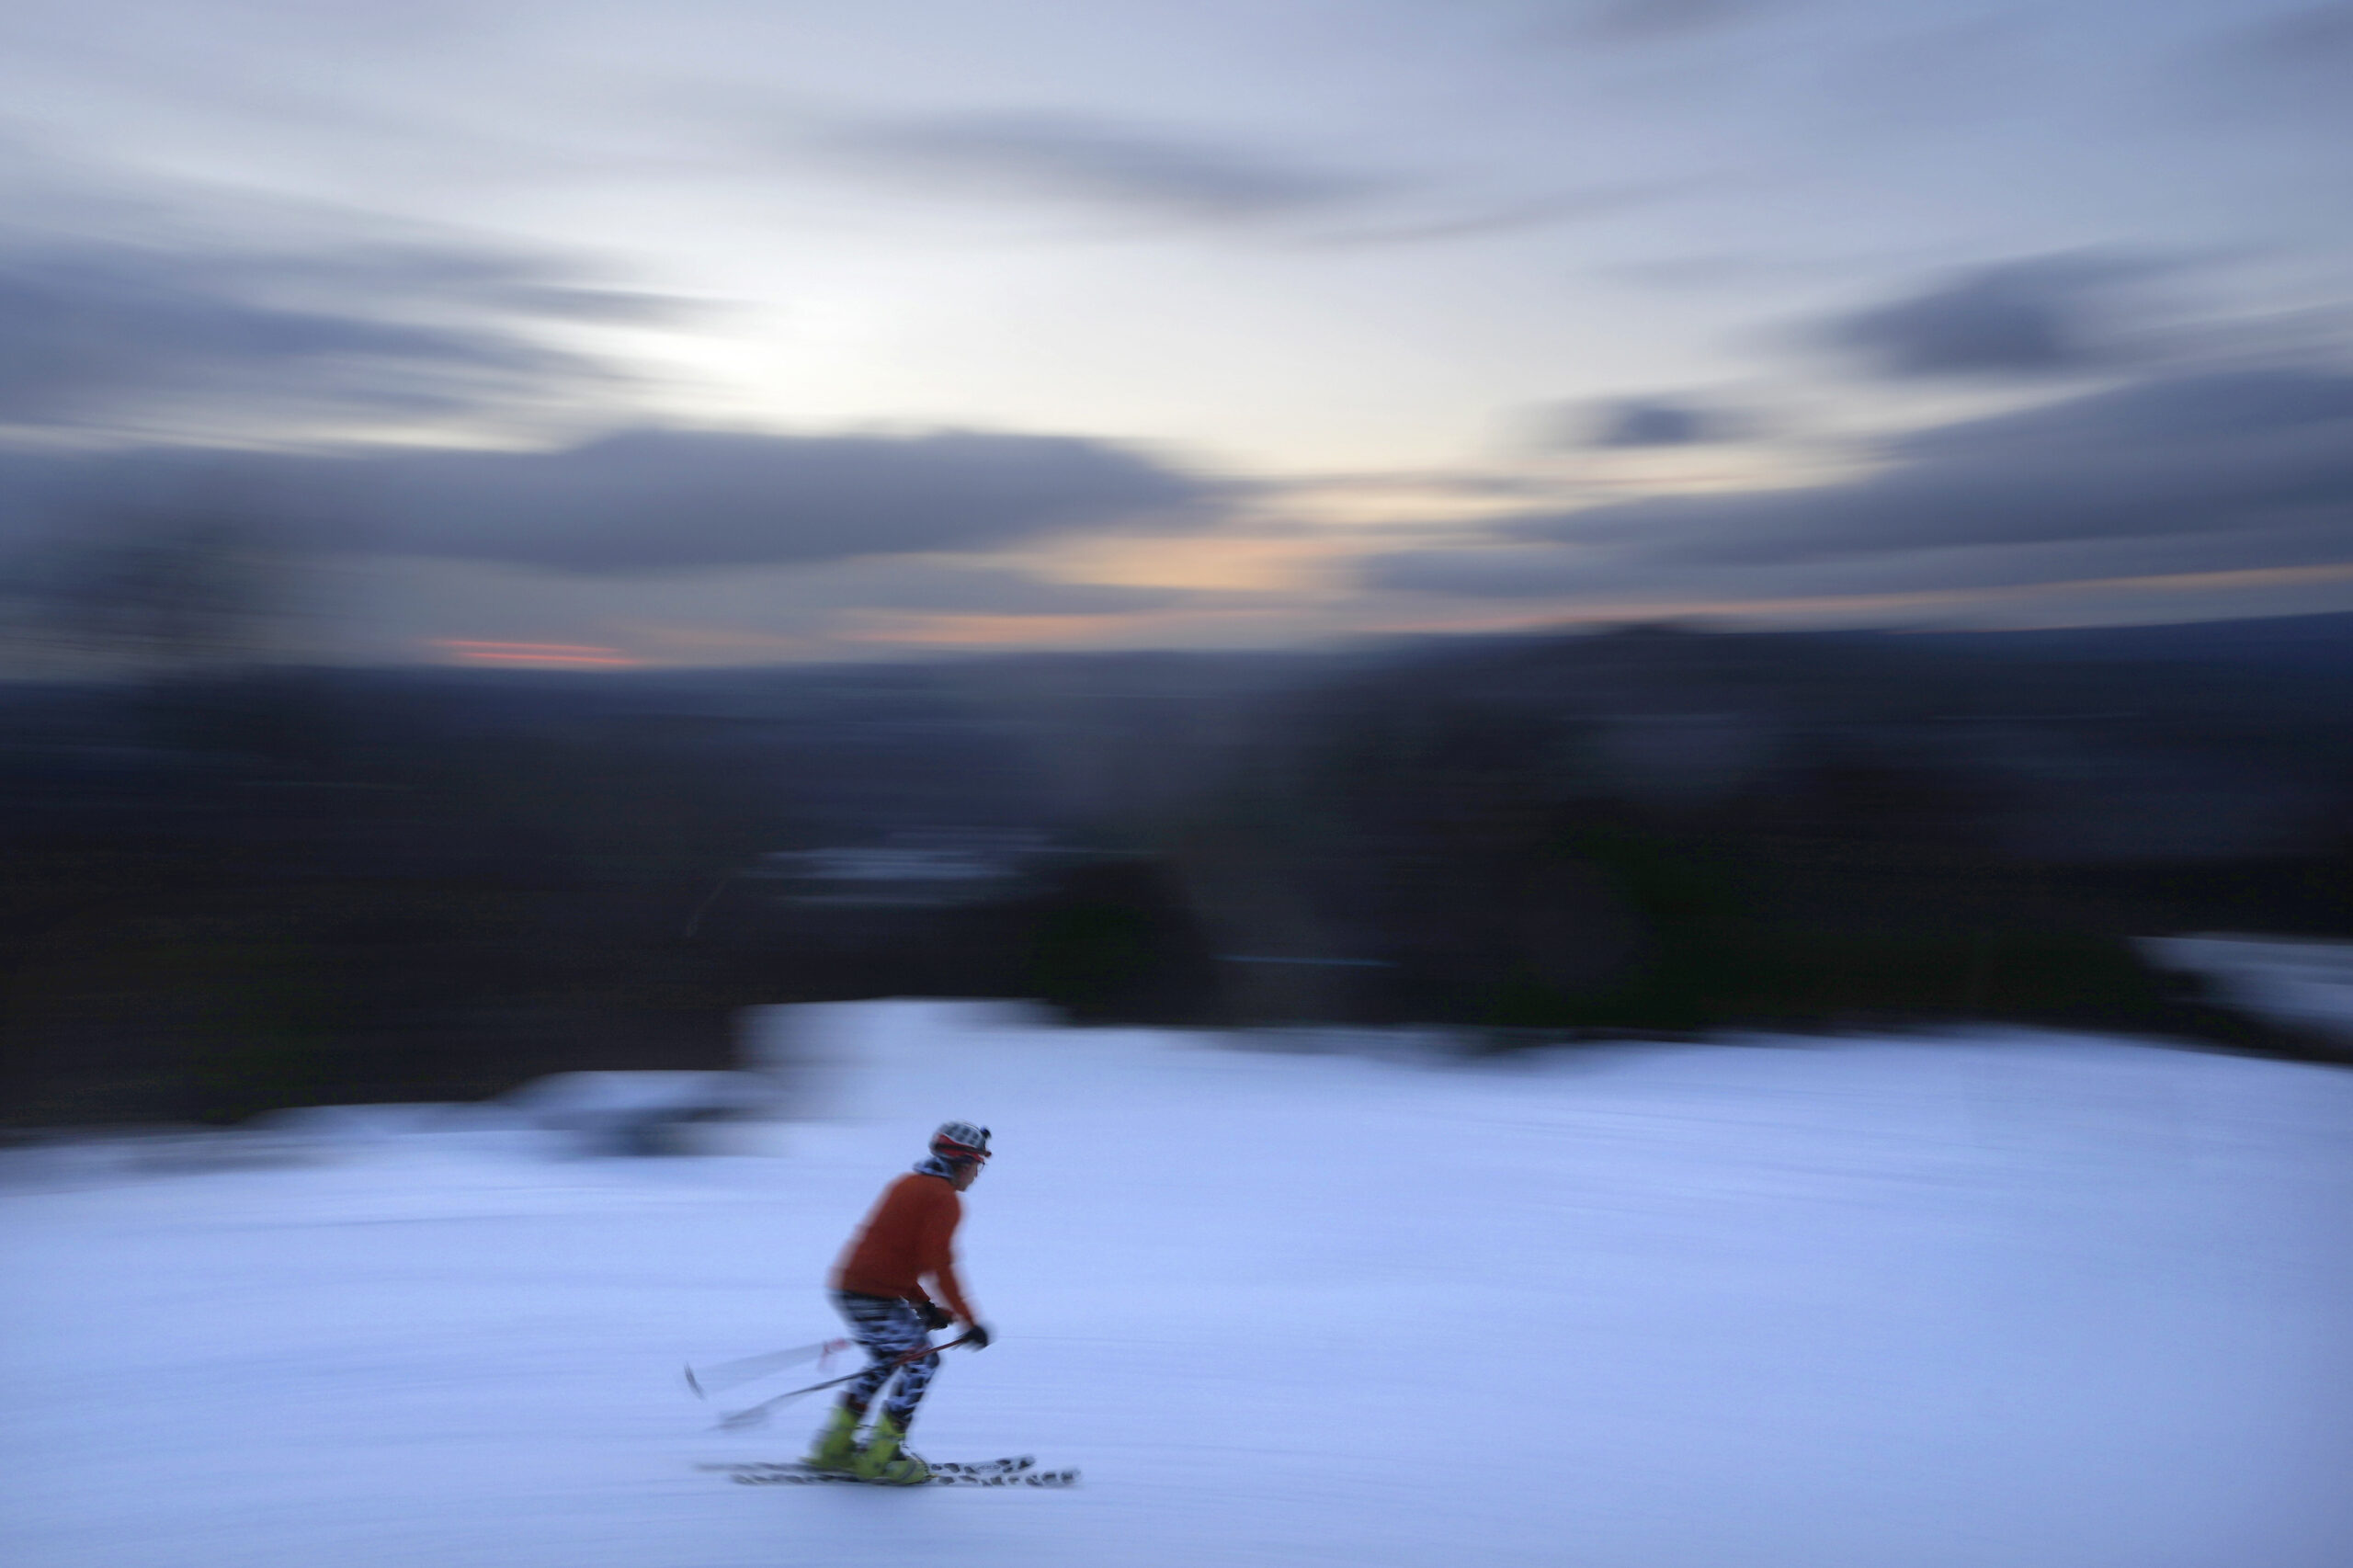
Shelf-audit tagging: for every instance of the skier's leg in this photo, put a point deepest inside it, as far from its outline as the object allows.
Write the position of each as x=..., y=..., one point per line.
x=888, y=1329
x=899, y=1409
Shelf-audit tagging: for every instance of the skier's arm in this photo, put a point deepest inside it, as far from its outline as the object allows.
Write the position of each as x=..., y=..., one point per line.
x=939, y=1258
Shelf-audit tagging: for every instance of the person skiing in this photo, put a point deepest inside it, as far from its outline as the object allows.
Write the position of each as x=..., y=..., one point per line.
x=878, y=1288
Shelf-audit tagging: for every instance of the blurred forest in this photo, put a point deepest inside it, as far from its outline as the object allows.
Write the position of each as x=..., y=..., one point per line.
x=234, y=884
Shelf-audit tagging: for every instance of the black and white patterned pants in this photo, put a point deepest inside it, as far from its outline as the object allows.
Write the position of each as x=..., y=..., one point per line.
x=889, y=1328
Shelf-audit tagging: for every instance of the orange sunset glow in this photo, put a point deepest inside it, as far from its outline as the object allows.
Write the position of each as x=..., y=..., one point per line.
x=549, y=656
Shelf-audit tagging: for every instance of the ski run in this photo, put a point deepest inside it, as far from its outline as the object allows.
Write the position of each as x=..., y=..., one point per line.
x=1997, y=1300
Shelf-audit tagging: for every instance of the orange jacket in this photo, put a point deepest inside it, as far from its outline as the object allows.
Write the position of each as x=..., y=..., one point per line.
x=909, y=1235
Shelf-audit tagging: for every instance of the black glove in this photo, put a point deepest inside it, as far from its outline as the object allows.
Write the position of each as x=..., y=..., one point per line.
x=934, y=1316
x=976, y=1337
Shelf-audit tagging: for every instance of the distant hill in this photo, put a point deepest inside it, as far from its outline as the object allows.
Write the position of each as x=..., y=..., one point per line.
x=2318, y=644
x=220, y=895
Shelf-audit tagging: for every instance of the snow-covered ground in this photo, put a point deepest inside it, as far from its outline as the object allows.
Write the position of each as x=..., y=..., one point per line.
x=2015, y=1301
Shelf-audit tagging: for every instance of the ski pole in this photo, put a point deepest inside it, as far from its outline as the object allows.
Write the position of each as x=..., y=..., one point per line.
x=751, y=1415
x=728, y=1374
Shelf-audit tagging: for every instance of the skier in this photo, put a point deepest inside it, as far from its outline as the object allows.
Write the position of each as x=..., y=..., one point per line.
x=878, y=1287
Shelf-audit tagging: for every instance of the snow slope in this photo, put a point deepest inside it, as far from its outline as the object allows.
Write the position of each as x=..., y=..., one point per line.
x=2015, y=1301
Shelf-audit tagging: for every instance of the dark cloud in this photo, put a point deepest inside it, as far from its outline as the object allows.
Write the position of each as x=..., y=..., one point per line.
x=2188, y=454
x=2292, y=67
x=2023, y=318
x=1099, y=164
x=639, y=502
x=1643, y=20
x=2207, y=473
x=1480, y=221
x=2311, y=43
x=943, y=588
x=1975, y=68
x=1647, y=421
x=99, y=335
x=2205, y=415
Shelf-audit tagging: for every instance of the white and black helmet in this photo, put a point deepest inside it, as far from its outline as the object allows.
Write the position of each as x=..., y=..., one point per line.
x=958, y=1141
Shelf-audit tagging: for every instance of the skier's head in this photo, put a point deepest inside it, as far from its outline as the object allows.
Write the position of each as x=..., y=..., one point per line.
x=964, y=1148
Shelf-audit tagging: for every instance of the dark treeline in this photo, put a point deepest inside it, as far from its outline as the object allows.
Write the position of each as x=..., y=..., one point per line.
x=1662, y=830
x=227, y=892
x=224, y=893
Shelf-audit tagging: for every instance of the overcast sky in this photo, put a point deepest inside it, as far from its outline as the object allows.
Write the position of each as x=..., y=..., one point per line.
x=716, y=330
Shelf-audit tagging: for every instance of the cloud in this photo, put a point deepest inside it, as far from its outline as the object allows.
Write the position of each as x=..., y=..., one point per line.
x=2298, y=38
x=2022, y=318
x=1099, y=167
x=2293, y=60
x=2216, y=472
x=109, y=335
x=954, y=588
x=2284, y=75
x=1480, y=220
x=636, y=502
x=1097, y=164
x=1635, y=21
x=1649, y=422
x=479, y=613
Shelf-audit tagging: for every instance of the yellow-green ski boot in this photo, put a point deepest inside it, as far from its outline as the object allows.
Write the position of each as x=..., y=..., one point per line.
x=836, y=1446
x=883, y=1461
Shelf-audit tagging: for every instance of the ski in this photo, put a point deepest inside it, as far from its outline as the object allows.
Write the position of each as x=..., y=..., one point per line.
x=970, y=1467
x=1021, y=1471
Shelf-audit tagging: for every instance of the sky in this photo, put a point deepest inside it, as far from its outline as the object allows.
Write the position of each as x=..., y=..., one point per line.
x=714, y=333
